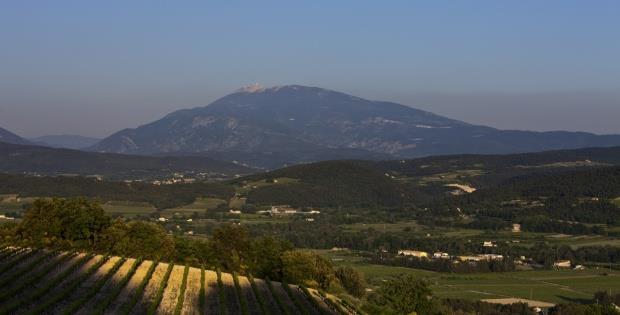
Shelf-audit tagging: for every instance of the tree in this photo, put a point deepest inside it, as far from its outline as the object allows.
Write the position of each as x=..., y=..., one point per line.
x=231, y=245
x=352, y=280
x=405, y=295
x=308, y=268
x=266, y=258
x=74, y=222
x=138, y=239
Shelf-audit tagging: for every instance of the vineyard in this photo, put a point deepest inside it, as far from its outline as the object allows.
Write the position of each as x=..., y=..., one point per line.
x=46, y=282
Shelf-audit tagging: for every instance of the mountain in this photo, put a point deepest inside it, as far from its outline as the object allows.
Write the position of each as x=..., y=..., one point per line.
x=290, y=121
x=9, y=137
x=66, y=141
x=16, y=158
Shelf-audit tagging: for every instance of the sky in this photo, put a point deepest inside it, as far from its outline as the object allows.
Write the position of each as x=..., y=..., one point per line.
x=95, y=67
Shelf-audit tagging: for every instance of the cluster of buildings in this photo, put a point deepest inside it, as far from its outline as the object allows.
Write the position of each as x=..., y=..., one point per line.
x=175, y=179
x=287, y=210
x=442, y=255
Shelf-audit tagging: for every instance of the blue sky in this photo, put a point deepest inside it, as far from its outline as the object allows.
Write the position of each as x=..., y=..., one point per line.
x=93, y=68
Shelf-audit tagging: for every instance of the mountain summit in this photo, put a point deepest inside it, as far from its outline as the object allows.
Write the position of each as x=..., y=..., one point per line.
x=293, y=123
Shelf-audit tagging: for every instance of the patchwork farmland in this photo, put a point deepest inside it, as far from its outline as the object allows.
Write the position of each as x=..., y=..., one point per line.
x=46, y=282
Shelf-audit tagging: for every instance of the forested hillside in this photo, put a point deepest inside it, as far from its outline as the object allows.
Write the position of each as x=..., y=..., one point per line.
x=159, y=196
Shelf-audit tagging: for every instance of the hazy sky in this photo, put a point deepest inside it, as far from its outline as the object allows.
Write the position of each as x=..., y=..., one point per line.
x=95, y=67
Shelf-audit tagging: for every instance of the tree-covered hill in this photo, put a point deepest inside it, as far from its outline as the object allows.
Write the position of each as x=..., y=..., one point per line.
x=330, y=183
x=49, y=161
x=164, y=196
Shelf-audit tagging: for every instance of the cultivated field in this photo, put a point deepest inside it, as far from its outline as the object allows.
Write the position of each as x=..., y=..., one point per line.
x=554, y=286
x=46, y=282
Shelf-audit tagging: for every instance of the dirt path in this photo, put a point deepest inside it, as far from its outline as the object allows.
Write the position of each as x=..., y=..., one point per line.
x=107, y=288
x=129, y=289
x=150, y=291
x=171, y=293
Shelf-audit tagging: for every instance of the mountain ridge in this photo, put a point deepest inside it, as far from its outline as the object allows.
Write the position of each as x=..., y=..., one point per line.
x=9, y=137
x=297, y=118
x=16, y=158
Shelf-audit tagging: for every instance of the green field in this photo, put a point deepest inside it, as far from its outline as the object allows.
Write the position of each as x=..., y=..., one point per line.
x=555, y=286
x=200, y=206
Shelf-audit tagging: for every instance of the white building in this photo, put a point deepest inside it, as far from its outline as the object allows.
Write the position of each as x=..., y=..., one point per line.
x=562, y=264
x=441, y=255
x=414, y=253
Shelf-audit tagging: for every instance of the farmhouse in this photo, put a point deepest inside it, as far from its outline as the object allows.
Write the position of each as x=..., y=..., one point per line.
x=562, y=264
x=280, y=210
x=441, y=255
x=414, y=253
x=2, y=216
x=481, y=257
x=516, y=228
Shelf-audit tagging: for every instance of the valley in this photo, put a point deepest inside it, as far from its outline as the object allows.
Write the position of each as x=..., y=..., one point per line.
x=503, y=221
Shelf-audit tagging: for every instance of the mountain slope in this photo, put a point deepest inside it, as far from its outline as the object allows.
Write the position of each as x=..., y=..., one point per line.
x=9, y=137
x=304, y=119
x=43, y=160
x=66, y=141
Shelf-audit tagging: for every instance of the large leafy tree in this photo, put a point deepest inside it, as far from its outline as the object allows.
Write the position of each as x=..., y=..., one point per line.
x=138, y=239
x=308, y=268
x=405, y=295
x=74, y=222
x=352, y=280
